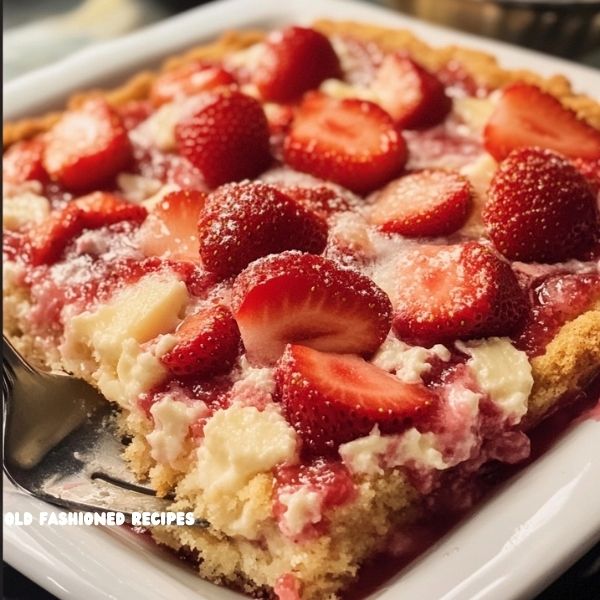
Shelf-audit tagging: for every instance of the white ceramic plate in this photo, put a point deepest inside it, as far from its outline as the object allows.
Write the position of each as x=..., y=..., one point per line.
x=534, y=527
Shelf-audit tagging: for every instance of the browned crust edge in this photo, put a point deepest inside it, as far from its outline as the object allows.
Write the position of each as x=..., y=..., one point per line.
x=483, y=67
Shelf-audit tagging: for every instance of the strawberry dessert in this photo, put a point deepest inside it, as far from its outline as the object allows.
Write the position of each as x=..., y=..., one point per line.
x=330, y=277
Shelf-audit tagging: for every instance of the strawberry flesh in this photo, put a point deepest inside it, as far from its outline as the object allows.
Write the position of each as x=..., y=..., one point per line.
x=294, y=60
x=427, y=203
x=351, y=142
x=414, y=97
x=187, y=80
x=527, y=116
x=307, y=299
x=555, y=301
x=321, y=200
x=171, y=229
x=49, y=239
x=23, y=162
x=540, y=208
x=331, y=399
x=464, y=291
x=245, y=221
x=208, y=342
x=88, y=147
x=226, y=138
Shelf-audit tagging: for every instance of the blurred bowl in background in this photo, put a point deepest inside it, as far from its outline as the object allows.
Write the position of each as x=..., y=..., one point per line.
x=565, y=28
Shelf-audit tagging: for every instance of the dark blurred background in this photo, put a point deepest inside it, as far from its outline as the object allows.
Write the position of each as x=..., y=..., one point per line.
x=39, y=32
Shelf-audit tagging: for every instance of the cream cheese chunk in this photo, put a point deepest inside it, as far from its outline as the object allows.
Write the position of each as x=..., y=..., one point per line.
x=172, y=420
x=501, y=371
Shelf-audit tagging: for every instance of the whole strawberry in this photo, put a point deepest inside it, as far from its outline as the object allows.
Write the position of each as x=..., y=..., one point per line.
x=540, y=208
x=245, y=221
x=208, y=343
x=294, y=60
x=226, y=138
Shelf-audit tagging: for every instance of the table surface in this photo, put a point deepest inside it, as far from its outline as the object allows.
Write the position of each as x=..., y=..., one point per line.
x=31, y=28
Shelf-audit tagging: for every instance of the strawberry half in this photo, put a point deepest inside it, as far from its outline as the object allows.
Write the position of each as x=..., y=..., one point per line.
x=244, y=221
x=23, y=162
x=171, y=229
x=302, y=298
x=87, y=147
x=527, y=116
x=464, y=291
x=352, y=142
x=48, y=240
x=208, y=342
x=414, y=97
x=427, y=203
x=331, y=399
x=226, y=138
x=294, y=60
x=540, y=208
x=187, y=80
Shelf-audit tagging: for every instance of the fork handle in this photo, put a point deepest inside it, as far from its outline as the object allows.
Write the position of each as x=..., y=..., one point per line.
x=13, y=359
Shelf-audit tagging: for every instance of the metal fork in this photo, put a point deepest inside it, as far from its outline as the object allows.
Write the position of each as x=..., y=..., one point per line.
x=61, y=442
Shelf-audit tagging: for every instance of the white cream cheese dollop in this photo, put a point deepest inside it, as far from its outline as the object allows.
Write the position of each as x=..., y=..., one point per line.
x=501, y=371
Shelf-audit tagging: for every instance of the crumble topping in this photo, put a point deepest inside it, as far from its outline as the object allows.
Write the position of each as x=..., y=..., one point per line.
x=408, y=363
x=23, y=208
x=173, y=414
x=302, y=508
x=373, y=453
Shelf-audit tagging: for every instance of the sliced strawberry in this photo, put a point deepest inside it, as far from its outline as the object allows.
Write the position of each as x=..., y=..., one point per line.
x=362, y=59
x=527, y=116
x=100, y=208
x=321, y=200
x=464, y=291
x=294, y=60
x=133, y=112
x=331, y=399
x=352, y=142
x=280, y=117
x=227, y=137
x=414, y=97
x=171, y=229
x=427, y=203
x=23, y=162
x=187, y=80
x=302, y=298
x=247, y=220
x=48, y=240
x=208, y=342
x=540, y=208
x=87, y=147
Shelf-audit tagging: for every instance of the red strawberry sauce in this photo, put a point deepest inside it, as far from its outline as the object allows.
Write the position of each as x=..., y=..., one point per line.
x=556, y=298
x=409, y=543
x=330, y=479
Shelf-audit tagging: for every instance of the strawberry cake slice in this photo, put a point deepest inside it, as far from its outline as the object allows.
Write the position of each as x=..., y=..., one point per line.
x=331, y=277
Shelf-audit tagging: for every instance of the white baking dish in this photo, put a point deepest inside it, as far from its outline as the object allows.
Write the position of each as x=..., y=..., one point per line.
x=513, y=545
